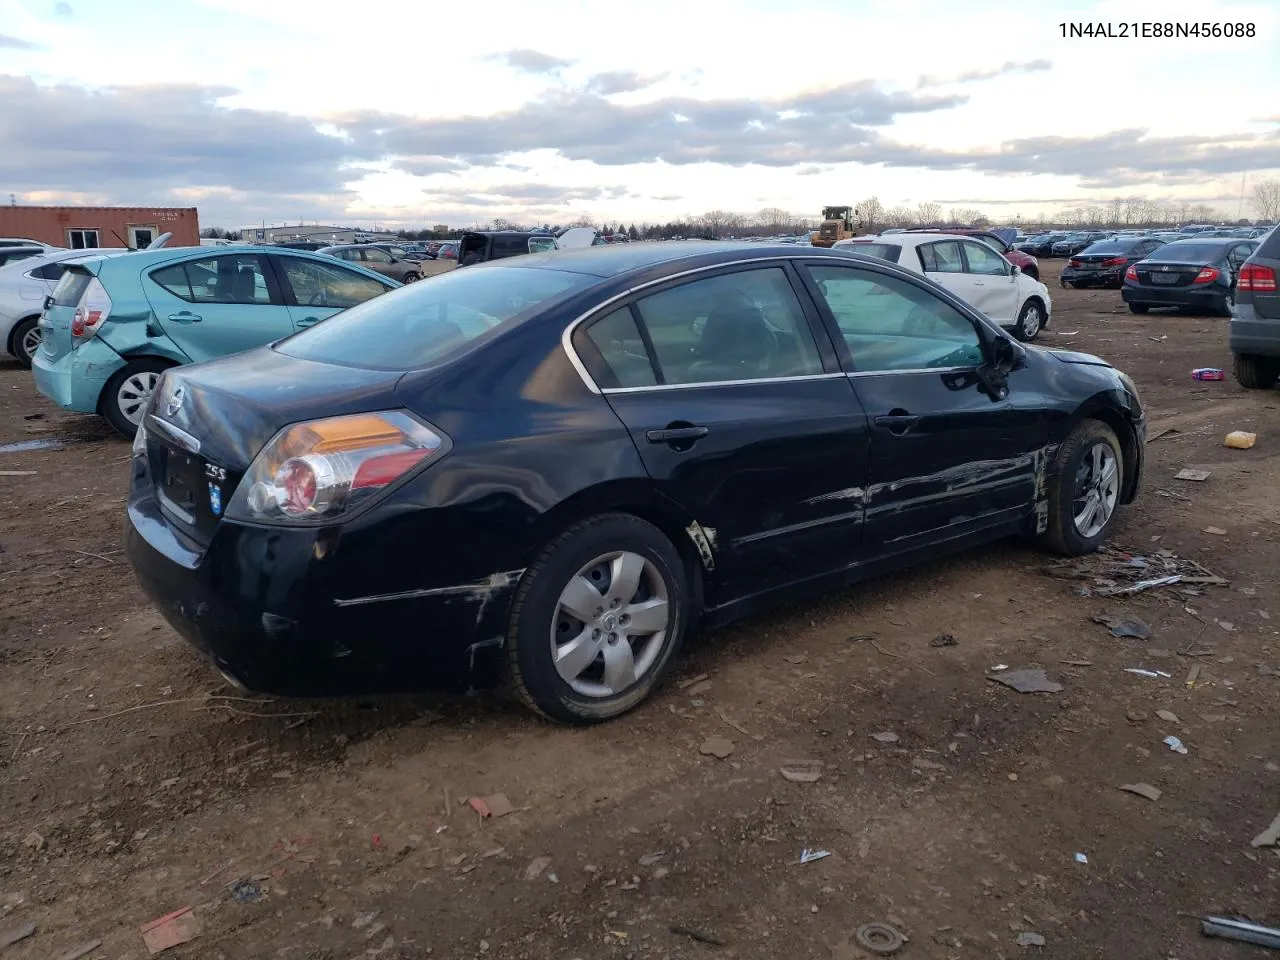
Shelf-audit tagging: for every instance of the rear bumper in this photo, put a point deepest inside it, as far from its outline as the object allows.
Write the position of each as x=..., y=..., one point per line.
x=75, y=380
x=1084, y=276
x=1247, y=334
x=265, y=605
x=1214, y=298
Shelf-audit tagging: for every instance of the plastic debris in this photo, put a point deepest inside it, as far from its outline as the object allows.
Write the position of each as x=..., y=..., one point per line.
x=9, y=937
x=1269, y=837
x=1152, y=674
x=170, y=930
x=1081, y=858
x=1208, y=373
x=1174, y=744
x=808, y=856
x=1241, y=931
x=944, y=640
x=1143, y=790
x=1027, y=681
x=998, y=667
x=1240, y=440
x=802, y=771
x=879, y=938
x=885, y=737
x=718, y=747
x=1189, y=473
x=1125, y=627
x=1027, y=939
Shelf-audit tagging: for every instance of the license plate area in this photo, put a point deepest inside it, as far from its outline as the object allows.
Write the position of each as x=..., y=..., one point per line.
x=181, y=484
x=1165, y=279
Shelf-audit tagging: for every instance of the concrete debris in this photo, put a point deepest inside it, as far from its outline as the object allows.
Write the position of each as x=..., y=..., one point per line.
x=1269, y=837
x=9, y=937
x=802, y=771
x=1030, y=680
x=718, y=747
x=1168, y=716
x=885, y=737
x=536, y=867
x=1030, y=940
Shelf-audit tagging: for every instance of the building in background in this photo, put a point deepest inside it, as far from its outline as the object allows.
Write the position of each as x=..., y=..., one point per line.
x=80, y=227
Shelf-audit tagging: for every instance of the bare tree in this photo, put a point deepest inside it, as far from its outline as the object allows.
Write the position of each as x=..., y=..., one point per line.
x=929, y=213
x=502, y=223
x=1266, y=200
x=900, y=216
x=1203, y=213
x=962, y=216
x=714, y=222
x=584, y=221
x=872, y=213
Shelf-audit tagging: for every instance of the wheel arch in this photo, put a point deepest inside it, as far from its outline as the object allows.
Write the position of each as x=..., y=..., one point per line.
x=128, y=358
x=1102, y=408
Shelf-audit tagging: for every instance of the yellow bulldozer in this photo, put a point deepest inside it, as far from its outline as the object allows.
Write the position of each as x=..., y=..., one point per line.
x=838, y=223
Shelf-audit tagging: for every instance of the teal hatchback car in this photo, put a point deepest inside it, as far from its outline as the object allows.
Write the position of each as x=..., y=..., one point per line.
x=113, y=324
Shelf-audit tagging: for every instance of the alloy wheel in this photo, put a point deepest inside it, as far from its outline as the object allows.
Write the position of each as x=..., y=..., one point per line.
x=610, y=624
x=1097, y=490
x=1031, y=320
x=30, y=343
x=134, y=393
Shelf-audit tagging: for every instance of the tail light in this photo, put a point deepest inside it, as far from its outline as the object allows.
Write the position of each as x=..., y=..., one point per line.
x=1207, y=275
x=1073, y=262
x=1115, y=261
x=92, y=311
x=1131, y=273
x=318, y=470
x=1256, y=277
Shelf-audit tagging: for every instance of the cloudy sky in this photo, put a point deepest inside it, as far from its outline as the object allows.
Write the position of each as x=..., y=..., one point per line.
x=454, y=112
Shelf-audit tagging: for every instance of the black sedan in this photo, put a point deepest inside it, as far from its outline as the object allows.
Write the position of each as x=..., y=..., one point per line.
x=554, y=466
x=1104, y=263
x=1197, y=274
x=1042, y=245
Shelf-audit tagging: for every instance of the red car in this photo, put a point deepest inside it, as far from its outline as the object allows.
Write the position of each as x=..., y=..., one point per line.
x=1023, y=261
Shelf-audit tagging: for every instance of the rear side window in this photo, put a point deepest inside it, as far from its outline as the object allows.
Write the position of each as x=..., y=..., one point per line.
x=232, y=278
x=739, y=326
x=510, y=246
x=623, y=350
x=943, y=257
x=424, y=323
x=50, y=271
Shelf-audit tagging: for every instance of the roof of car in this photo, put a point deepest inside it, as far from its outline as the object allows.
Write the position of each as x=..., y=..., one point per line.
x=908, y=239
x=1222, y=241
x=614, y=259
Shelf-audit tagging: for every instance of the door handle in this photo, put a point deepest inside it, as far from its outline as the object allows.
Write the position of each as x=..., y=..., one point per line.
x=897, y=422
x=676, y=434
x=185, y=316
x=308, y=321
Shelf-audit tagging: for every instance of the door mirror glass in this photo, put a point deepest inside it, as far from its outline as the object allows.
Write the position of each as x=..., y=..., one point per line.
x=1015, y=270
x=1004, y=354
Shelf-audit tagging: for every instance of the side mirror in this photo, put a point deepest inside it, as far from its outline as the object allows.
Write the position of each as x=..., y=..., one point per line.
x=1016, y=270
x=1004, y=355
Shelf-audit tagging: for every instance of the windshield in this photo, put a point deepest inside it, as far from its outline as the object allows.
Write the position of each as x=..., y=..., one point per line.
x=1189, y=252
x=421, y=324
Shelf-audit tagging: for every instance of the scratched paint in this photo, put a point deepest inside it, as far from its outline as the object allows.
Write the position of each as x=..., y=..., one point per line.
x=703, y=544
x=848, y=493
x=480, y=591
x=1044, y=456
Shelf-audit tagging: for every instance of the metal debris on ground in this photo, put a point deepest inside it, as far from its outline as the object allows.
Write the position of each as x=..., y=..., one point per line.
x=1241, y=931
x=1269, y=837
x=944, y=640
x=1112, y=572
x=1191, y=473
x=718, y=747
x=1027, y=939
x=1143, y=790
x=802, y=771
x=879, y=938
x=700, y=935
x=170, y=930
x=808, y=856
x=1174, y=744
x=1125, y=626
x=1030, y=680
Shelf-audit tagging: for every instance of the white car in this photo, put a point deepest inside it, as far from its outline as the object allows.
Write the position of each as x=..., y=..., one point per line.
x=972, y=271
x=23, y=286
x=24, y=242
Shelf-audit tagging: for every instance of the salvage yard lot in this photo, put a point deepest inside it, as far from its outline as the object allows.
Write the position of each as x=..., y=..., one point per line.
x=134, y=782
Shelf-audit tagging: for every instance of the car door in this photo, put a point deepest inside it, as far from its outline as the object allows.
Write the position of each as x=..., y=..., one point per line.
x=314, y=290
x=993, y=279
x=380, y=261
x=943, y=263
x=1236, y=256
x=950, y=455
x=216, y=305
x=732, y=395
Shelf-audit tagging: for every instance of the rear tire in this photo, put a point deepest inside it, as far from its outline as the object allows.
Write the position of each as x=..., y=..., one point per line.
x=125, y=397
x=1256, y=373
x=1138, y=308
x=26, y=341
x=1089, y=461
x=543, y=626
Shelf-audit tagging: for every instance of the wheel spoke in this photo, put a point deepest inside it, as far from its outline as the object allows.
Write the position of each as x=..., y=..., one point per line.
x=574, y=657
x=581, y=599
x=627, y=569
x=619, y=666
x=1098, y=452
x=647, y=617
x=1109, y=471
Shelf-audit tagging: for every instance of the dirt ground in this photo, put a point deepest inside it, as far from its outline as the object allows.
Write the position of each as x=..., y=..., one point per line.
x=135, y=783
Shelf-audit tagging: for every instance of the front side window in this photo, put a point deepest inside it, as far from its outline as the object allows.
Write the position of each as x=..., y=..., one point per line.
x=232, y=278
x=890, y=324
x=942, y=257
x=376, y=256
x=321, y=285
x=985, y=261
x=739, y=326
x=424, y=323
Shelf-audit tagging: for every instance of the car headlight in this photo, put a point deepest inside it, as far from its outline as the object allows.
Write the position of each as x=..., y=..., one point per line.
x=1129, y=384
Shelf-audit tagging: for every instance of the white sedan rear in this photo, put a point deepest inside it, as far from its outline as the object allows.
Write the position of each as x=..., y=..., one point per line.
x=972, y=271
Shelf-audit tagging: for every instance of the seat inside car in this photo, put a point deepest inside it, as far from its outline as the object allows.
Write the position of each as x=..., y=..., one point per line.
x=736, y=343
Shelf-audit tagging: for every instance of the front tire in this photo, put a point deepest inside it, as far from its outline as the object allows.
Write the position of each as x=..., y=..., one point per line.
x=1084, y=486
x=411, y=278
x=1139, y=308
x=26, y=340
x=597, y=620
x=1228, y=302
x=1031, y=321
x=1256, y=373
x=125, y=397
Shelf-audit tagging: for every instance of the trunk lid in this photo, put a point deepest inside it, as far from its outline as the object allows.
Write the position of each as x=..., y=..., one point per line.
x=55, y=323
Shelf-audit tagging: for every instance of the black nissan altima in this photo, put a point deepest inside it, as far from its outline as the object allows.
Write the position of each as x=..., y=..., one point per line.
x=551, y=468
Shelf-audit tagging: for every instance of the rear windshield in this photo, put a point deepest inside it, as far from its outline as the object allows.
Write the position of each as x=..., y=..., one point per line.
x=1190, y=252
x=71, y=287
x=1111, y=246
x=423, y=323
x=884, y=251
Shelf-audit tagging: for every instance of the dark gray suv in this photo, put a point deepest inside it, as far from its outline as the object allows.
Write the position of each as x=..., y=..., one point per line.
x=1254, y=332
